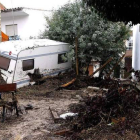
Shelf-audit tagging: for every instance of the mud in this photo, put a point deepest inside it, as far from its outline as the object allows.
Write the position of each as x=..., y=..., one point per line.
x=36, y=124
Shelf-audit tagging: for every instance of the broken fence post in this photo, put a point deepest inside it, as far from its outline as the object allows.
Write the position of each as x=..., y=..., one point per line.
x=115, y=66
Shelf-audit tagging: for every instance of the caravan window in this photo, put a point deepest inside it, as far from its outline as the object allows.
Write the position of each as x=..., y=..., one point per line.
x=62, y=58
x=4, y=63
x=28, y=64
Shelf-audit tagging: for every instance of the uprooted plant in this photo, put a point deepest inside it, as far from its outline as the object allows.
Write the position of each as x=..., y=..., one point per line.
x=120, y=105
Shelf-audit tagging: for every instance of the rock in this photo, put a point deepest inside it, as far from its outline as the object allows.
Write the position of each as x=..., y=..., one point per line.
x=21, y=109
x=79, y=97
x=45, y=131
x=29, y=137
x=28, y=107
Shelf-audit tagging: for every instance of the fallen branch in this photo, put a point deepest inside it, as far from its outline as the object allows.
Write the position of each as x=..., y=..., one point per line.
x=69, y=83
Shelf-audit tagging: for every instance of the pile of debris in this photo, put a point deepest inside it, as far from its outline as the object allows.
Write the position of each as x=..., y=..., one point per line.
x=118, y=107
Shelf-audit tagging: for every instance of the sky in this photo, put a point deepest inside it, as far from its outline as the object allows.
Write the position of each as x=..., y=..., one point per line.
x=37, y=4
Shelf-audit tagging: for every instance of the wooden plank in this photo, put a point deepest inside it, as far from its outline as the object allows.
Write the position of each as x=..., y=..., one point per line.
x=55, y=116
x=8, y=87
x=51, y=114
x=63, y=132
x=97, y=88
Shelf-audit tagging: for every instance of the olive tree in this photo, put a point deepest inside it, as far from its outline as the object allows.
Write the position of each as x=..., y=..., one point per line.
x=98, y=38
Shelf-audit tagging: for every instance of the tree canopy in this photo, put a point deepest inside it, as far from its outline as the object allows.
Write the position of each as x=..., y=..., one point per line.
x=98, y=39
x=118, y=10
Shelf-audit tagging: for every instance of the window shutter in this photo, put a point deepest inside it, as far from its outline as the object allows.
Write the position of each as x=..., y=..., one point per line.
x=11, y=30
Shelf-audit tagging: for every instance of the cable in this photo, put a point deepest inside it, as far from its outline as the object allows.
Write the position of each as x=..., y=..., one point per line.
x=13, y=18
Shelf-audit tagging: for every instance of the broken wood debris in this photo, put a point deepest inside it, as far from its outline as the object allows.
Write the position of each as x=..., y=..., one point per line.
x=8, y=105
x=55, y=116
x=96, y=88
x=119, y=104
x=63, y=132
x=67, y=84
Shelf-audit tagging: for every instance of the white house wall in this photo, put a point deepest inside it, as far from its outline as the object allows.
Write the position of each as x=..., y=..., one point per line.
x=136, y=48
x=28, y=26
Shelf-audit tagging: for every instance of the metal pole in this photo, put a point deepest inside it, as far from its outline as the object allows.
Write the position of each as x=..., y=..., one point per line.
x=76, y=55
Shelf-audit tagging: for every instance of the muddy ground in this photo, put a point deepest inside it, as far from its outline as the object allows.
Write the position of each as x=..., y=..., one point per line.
x=37, y=124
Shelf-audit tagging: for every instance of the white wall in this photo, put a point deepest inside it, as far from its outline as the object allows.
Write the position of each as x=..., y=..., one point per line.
x=136, y=47
x=29, y=25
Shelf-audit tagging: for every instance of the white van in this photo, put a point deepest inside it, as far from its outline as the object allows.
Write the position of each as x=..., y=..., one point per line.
x=18, y=58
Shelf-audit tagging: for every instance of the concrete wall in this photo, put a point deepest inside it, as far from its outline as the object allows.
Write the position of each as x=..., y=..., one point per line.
x=30, y=25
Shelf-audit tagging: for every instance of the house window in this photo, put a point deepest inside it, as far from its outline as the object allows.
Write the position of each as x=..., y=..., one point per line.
x=28, y=64
x=11, y=30
x=130, y=44
x=62, y=58
x=4, y=63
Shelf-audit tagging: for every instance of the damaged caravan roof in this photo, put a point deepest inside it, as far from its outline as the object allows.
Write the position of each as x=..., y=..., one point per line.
x=14, y=47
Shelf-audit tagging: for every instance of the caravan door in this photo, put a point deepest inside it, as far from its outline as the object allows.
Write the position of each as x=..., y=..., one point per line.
x=7, y=67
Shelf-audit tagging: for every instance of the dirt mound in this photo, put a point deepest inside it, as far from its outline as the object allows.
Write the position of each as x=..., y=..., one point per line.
x=114, y=111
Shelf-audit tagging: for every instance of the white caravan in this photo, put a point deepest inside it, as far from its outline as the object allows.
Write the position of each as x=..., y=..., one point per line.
x=18, y=58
